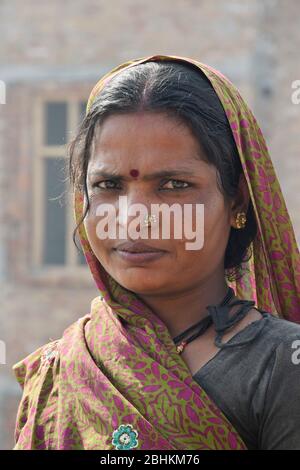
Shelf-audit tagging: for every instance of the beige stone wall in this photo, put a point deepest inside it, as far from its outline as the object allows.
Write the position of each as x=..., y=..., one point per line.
x=51, y=45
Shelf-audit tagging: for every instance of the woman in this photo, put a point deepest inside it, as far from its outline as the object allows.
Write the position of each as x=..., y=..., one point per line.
x=183, y=348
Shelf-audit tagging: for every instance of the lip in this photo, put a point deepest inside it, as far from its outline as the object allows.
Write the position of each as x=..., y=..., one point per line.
x=141, y=257
x=138, y=252
x=138, y=247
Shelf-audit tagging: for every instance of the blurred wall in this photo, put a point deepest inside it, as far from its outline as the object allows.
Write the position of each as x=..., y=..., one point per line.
x=56, y=51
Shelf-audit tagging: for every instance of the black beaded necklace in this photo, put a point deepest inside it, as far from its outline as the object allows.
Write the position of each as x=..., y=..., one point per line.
x=202, y=325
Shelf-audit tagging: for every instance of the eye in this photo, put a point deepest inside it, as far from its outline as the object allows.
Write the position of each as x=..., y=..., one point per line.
x=178, y=184
x=97, y=185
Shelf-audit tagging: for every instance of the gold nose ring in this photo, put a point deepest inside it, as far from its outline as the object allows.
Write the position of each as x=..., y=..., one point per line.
x=149, y=219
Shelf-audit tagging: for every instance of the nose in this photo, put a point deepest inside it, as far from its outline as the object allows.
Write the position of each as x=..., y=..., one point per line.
x=135, y=207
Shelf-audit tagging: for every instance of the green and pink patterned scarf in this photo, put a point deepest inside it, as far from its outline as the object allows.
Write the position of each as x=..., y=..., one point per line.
x=113, y=384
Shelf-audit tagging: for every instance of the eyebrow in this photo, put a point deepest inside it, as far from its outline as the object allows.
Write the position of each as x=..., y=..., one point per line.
x=149, y=177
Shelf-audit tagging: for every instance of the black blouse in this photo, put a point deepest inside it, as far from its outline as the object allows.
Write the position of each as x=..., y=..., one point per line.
x=257, y=384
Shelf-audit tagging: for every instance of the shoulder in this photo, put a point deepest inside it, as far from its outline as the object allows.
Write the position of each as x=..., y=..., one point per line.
x=279, y=339
x=273, y=362
x=47, y=356
x=269, y=329
x=268, y=339
x=280, y=330
x=36, y=414
x=280, y=419
x=285, y=337
x=30, y=366
x=39, y=375
x=282, y=339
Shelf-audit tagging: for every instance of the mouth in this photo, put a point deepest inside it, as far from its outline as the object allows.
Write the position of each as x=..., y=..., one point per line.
x=138, y=252
x=137, y=247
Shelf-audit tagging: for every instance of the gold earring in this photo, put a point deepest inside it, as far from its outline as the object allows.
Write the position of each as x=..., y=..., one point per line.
x=240, y=220
x=149, y=219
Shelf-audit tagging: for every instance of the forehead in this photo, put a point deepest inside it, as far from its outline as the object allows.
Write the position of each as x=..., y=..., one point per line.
x=133, y=140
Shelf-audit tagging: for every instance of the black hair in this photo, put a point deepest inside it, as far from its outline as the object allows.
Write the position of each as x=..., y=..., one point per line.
x=182, y=92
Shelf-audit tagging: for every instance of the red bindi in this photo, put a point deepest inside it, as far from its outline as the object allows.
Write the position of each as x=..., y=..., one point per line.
x=134, y=173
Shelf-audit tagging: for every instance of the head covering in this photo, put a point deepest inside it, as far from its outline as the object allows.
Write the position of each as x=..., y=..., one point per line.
x=272, y=275
x=115, y=380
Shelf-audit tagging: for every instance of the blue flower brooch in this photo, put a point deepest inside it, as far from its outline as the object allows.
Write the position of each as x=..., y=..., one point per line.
x=125, y=437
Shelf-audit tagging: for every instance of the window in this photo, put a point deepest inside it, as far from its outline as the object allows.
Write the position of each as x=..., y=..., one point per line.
x=54, y=222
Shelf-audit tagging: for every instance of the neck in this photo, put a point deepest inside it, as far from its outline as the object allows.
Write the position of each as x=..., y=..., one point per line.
x=182, y=309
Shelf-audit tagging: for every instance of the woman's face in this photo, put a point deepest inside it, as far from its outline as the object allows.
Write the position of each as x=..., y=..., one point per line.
x=151, y=143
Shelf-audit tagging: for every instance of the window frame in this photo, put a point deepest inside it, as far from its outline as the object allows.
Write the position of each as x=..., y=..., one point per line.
x=71, y=270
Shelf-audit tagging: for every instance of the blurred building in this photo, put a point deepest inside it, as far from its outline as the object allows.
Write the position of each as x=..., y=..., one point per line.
x=51, y=55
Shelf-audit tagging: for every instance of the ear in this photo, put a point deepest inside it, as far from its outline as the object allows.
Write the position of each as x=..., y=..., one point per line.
x=241, y=201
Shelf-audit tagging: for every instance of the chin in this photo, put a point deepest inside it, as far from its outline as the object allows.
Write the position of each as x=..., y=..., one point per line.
x=133, y=283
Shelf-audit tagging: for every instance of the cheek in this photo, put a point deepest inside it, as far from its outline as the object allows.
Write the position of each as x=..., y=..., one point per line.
x=96, y=227
x=192, y=263
x=90, y=229
x=216, y=222
x=90, y=224
x=216, y=225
